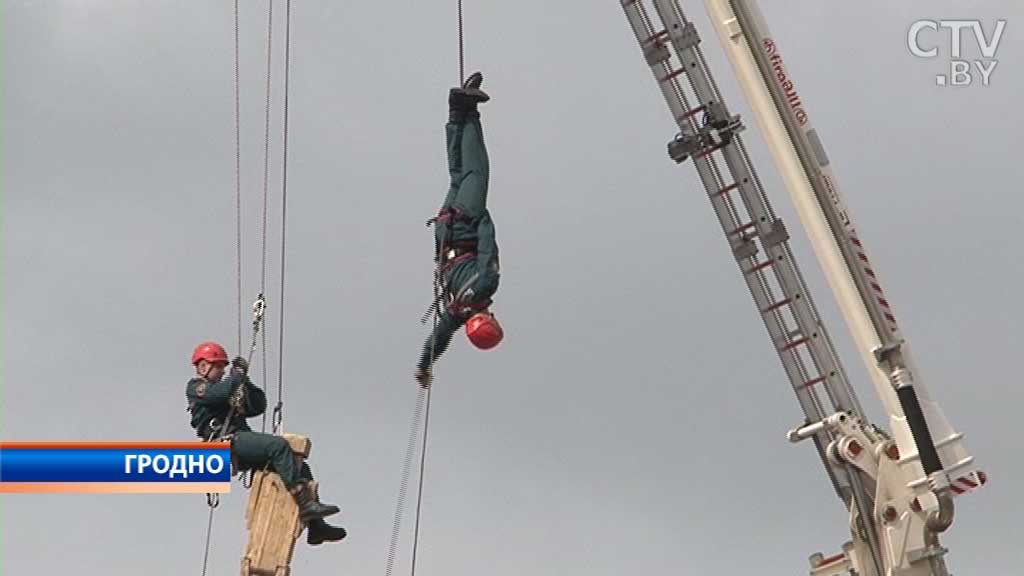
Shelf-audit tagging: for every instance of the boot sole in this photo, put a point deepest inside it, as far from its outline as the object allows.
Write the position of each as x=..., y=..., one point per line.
x=319, y=541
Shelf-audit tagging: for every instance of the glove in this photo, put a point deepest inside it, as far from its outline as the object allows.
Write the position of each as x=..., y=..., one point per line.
x=424, y=377
x=240, y=365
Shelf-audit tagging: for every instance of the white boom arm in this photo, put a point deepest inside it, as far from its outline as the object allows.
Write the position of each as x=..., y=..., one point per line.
x=784, y=120
x=841, y=253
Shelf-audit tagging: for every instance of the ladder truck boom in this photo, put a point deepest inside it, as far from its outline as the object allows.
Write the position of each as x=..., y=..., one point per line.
x=897, y=491
x=930, y=450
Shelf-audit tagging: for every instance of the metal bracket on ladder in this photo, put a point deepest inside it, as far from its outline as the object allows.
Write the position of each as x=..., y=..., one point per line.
x=717, y=130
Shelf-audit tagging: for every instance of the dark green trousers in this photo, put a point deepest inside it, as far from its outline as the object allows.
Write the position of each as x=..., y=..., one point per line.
x=254, y=450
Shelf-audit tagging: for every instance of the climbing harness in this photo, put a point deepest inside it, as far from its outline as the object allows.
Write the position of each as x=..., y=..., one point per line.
x=447, y=255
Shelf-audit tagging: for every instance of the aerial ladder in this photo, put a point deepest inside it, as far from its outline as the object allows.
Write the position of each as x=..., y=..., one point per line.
x=897, y=488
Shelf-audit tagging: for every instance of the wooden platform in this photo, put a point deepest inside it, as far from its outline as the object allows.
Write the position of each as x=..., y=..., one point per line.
x=272, y=518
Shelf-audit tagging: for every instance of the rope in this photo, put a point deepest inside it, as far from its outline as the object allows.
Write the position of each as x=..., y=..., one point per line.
x=238, y=183
x=266, y=187
x=209, y=529
x=438, y=288
x=419, y=493
x=213, y=499
x=278, y=415
x=462, y=59
x=248, y=475
x=422, y=408
x=403, y=487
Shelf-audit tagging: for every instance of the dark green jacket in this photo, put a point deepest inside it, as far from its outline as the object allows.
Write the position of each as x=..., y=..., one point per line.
x=470, y=284
x=209, y=403
x=464, y=223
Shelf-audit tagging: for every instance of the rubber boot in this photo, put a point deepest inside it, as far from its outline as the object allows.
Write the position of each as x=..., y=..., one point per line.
x=320, y=531
x=309, y=508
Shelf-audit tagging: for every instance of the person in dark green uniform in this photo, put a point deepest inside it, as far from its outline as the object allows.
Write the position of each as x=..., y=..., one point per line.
x=211, y=396
x=464, y=246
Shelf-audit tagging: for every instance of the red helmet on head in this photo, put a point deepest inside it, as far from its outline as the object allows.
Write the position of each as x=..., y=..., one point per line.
x=484, y=331
x=209, y=351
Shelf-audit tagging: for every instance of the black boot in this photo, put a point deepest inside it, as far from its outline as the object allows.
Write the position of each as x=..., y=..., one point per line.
x=473, y=82
x=319, y=532
x=309, y=508
x=462, y=101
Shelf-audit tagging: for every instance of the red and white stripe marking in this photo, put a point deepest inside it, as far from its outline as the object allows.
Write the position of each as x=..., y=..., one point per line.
x=968, y=483
x=960, y=486
x=873, y=281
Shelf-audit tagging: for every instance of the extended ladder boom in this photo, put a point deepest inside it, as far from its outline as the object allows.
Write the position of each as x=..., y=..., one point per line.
x=758, y=239
x=929, y=447
x=897, y=492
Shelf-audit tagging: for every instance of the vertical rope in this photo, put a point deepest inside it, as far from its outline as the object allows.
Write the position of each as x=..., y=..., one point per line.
x=438, y=292
x=266, y=186
x=238, y=184
x=213, y=499
x=403, y=487
x=209, y=529
x=422, y=406
x=462, y=60
x=419, y=493
x=278, y=416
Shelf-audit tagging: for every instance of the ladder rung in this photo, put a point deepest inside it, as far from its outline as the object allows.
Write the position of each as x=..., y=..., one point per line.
x=672, y=75
x=743, y=228
x=794, y=344
x=656, y=37
x=696, y=110
x=810, y=383
x=777, y=305
x=725, y=190
x=831, y=560
x=761, y=266
x=711, y=150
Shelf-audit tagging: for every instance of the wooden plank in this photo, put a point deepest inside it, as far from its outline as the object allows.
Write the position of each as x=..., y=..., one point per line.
x=272, y=518
x=301, y=445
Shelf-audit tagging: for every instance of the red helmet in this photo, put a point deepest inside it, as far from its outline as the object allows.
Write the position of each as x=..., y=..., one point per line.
x=209, y=351
x=483, y=330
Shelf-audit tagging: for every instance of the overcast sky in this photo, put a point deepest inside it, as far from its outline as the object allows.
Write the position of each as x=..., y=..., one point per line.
x=632, y=422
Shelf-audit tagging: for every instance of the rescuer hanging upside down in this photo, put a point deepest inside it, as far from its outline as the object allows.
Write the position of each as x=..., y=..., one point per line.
x=464, y=246
x=210, y=396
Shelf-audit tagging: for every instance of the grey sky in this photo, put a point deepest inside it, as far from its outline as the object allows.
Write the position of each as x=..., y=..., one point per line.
x=632, y=422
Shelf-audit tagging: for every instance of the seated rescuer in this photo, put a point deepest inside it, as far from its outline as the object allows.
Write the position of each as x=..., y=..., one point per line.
x=210, y=396
x=464, y=244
